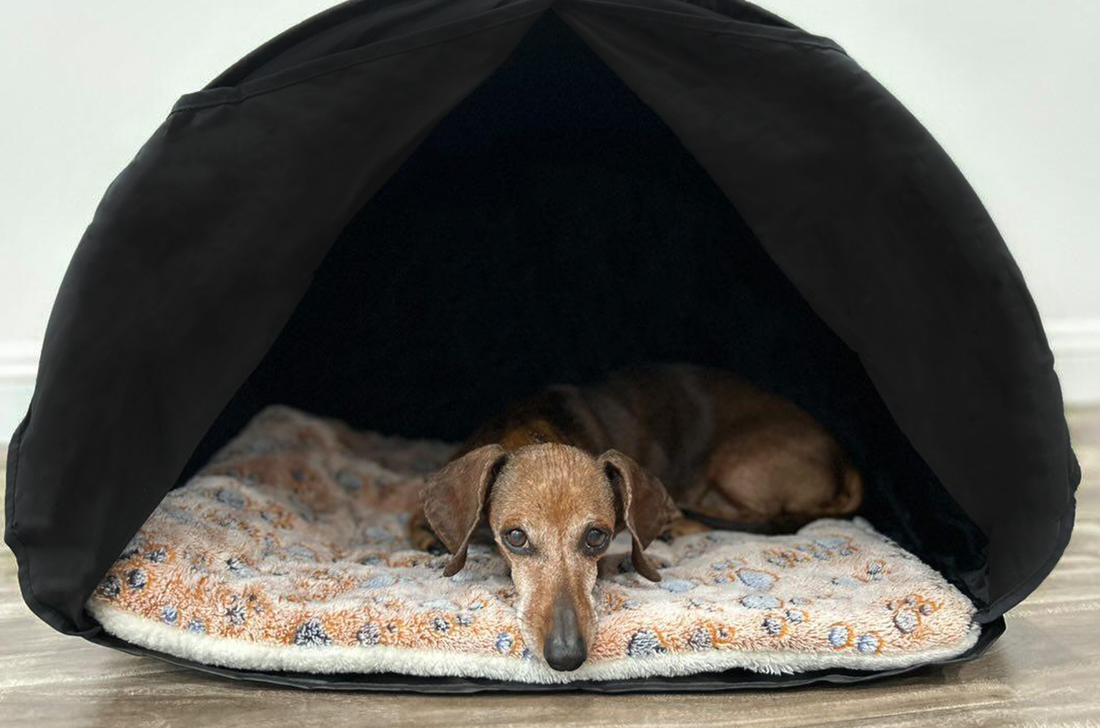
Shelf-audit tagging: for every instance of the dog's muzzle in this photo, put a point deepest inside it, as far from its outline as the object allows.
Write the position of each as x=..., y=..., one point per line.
x=564, y=647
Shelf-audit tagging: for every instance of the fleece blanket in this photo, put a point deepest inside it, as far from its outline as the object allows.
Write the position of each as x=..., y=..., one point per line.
x=288, y=552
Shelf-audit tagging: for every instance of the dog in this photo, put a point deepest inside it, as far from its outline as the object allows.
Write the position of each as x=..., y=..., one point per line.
x=555, y=477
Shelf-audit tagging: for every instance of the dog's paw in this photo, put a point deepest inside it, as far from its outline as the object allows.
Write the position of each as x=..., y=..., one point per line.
x=613, y=565
x=621, y=563
x=661, y=562
x=426, y=540
x=683, y=526
x=422, y=537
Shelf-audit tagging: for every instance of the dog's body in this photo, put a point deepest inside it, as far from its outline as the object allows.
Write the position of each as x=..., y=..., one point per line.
x=566, y=469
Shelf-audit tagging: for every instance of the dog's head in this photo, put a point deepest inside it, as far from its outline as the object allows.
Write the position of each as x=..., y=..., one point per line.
x=553, y=510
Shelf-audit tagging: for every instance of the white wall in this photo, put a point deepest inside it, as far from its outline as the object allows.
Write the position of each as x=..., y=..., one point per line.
x=1011, y=92
x=85, y=82
x=1011, y=89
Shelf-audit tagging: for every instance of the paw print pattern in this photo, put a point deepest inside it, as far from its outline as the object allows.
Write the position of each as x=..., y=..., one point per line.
x=311, y=633
x=843, y=637
x=369, y=634
x=797, y=616
x=645, y=643
x=235, y=614
x=505, y=642
x=761, y=601
x=110, y=587
x=676, y=586
x=839, y=636
x=701, y=639
x=910, y=612
x=753, y=579
x=785, y=558
x=774, y=626
x=868, y=643
x=875, y=570
x=136, y=579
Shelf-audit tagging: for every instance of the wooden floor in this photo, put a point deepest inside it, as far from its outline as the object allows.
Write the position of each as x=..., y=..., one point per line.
x=1044, y=672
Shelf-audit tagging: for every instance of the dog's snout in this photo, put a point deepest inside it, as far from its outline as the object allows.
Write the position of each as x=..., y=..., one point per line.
x=564, y=647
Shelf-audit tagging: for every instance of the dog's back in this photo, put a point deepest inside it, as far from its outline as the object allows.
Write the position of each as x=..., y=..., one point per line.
x=721, y=446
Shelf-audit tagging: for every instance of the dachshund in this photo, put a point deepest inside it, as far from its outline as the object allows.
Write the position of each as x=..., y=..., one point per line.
x=556, y=476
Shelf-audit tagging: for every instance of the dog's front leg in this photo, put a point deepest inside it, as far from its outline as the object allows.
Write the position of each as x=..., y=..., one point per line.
x=684, y=526
x=619, y=563
x=611, y=564
x=421, y=535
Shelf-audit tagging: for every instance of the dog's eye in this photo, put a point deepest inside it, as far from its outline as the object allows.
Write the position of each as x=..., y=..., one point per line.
x=515, y=538
x=596, y=539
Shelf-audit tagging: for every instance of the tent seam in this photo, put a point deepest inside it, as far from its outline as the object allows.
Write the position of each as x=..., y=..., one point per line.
x=238, y=96
x=1038, y=575
x=318, y=23
x=607, y=7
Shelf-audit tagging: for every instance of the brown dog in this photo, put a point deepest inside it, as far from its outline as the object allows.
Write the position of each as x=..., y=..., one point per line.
x=556, y=476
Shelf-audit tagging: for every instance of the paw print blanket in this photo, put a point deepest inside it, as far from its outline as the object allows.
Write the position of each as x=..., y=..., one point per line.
x=288, y=552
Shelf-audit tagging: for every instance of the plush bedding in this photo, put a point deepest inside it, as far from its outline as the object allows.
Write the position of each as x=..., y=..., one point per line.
x=288, y=552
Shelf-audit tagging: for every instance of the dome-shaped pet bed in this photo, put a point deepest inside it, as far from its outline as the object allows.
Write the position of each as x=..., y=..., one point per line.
x=405, y=215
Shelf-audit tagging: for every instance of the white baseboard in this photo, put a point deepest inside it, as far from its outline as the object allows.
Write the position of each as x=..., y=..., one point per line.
x=1075, y=343
x=18, y=361
x=1076, y=347
x=18, y=365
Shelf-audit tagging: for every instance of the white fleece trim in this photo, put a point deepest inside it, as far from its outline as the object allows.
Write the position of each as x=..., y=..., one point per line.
x=234, y=653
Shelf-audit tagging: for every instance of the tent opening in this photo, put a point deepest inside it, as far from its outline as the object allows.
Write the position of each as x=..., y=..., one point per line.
x=552, y=228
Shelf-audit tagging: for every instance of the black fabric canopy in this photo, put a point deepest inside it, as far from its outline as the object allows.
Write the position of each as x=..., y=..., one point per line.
x=405, y=214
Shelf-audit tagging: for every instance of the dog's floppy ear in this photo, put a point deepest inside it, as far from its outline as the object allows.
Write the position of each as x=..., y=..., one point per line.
x=454, y=498
x=643, y=505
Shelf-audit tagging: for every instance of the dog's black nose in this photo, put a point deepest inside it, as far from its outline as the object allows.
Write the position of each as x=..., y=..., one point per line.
x=564, y=647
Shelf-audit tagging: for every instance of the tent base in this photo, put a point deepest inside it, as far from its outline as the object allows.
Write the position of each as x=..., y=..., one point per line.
x=737, y=679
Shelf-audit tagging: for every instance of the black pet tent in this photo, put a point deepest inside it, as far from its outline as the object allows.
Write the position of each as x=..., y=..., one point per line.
x=406, y=213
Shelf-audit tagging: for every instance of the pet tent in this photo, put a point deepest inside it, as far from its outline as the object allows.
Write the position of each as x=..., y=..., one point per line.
x=406, y=214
